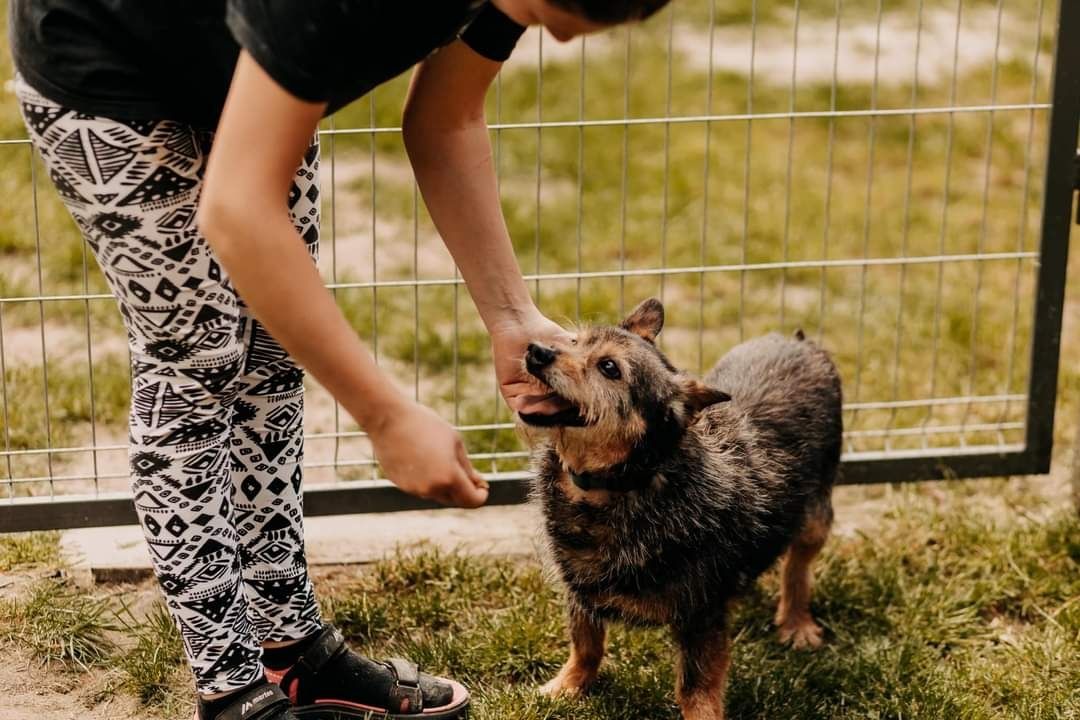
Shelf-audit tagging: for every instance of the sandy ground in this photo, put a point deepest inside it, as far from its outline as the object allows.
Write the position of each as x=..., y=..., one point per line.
x=849, y=49
x=33, y=692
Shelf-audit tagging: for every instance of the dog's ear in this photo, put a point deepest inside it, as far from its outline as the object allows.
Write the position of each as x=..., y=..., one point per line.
x=646, y=320
x=700, y=396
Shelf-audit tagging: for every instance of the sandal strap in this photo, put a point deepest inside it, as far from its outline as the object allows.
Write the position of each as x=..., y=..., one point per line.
x=406, y=685
x=405, y=696
x=255, y=703
x=329, y=644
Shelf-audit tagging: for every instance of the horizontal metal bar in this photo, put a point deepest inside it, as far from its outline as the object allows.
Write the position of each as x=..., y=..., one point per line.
x=641, y=272
x=57, y=298
x=884, y=405
x=937, y=454
x=871, y=468
x=684, y=119
x=934, y=430
x=370, y=462
x=80, y=511
x=63, y=450
x=700, y=269
x=310, y=436
x=727, y=117
x=76, y=511
x=935, y=402
x=848, y=457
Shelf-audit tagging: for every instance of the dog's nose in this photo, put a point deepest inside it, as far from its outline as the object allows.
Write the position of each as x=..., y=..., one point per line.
x=539, y=356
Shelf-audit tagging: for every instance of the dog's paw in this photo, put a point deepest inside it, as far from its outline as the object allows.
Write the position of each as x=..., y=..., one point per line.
x=802, y=634
x=559, y=688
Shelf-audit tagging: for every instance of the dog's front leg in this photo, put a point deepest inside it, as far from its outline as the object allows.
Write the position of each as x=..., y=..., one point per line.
x=586, y=652
x=703, y=670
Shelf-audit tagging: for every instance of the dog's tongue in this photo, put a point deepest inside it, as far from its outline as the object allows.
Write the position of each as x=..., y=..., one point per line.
x=546, y=404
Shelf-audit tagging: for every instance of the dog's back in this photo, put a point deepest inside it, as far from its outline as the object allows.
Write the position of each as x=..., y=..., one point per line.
x=784, y=422
x=789, y=391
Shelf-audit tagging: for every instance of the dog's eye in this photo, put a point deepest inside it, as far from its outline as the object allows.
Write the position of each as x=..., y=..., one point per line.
x=609, y=368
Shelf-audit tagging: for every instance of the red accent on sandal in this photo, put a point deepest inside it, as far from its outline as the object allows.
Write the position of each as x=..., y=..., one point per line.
x=459, y=696
x=276, y=676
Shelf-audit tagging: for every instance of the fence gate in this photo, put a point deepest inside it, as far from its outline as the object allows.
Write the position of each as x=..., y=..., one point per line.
x=871, y=171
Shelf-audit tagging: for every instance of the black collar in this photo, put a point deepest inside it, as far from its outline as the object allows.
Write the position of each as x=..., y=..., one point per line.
x=638, y=470
x=612, y=480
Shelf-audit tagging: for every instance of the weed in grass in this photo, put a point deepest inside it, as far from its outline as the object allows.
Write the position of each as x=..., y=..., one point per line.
x=58, y=622
x=152, y=665
x=21, y=550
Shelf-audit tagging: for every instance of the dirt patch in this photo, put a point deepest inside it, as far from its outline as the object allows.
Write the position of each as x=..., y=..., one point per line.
x=23, y=345
x=31, y=691
x=774, y=51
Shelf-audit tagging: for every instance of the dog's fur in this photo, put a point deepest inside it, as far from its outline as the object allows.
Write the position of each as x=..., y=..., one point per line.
x=731, y=473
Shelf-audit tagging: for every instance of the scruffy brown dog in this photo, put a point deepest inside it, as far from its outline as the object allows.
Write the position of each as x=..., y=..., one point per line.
x=665, y=496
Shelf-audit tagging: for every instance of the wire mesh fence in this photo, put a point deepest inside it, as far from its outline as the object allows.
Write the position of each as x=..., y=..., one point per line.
x=870, y=171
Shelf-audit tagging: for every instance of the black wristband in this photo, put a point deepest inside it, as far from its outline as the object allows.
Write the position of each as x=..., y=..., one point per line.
x=492, y=33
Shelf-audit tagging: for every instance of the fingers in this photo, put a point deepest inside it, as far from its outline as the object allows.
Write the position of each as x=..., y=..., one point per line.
x=543, y=405
x=475, y=477
x=466, y=487
x=470, y=490
x=522, y=393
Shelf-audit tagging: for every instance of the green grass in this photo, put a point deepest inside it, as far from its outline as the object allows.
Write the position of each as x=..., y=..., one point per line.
x=945, y=606
x=73, y=404
x=59, y=623
x=938, y=613
x=152, y=663
x=21, y=550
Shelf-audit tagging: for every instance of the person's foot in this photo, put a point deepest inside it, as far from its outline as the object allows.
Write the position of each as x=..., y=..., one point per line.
x=324, y=678
x=262, y=701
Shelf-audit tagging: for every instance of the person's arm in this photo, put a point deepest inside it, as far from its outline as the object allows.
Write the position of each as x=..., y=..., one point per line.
x=447, y=140
x=261, y=137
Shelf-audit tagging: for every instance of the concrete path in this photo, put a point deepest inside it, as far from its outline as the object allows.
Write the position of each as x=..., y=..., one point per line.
x=118, y=554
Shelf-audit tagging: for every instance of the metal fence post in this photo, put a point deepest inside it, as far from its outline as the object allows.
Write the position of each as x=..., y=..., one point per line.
x=1076, y=467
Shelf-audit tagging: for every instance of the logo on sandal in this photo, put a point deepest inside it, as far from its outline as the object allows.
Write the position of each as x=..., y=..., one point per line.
x=249, y=704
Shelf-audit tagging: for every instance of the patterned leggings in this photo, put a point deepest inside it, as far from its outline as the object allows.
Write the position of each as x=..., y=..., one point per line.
x=216, y=428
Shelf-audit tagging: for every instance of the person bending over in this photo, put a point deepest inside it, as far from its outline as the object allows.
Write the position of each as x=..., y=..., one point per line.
x=182, y=139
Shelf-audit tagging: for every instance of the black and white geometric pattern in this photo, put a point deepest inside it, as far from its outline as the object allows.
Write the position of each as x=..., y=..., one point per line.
x=217, y=406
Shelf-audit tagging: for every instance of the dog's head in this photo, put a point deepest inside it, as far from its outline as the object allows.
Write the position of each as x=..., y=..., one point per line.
x=619, y=387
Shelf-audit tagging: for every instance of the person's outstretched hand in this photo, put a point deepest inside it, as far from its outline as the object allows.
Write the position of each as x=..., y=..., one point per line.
x=424, y=456
x=509, y=340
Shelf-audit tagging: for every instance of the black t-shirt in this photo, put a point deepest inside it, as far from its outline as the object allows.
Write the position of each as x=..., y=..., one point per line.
x=174, y=59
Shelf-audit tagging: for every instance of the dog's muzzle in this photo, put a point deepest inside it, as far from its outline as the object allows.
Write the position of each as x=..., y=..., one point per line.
x=538, y=357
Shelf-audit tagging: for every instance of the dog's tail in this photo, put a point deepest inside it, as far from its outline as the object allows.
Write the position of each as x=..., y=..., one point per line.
x=800, y=335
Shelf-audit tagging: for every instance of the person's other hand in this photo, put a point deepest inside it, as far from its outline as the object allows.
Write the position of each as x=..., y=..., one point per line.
x=424, y=456
x=509, y=340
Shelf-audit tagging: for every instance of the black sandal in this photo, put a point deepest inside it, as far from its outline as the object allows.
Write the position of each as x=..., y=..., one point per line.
x=409, y=694
x=265, y=701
